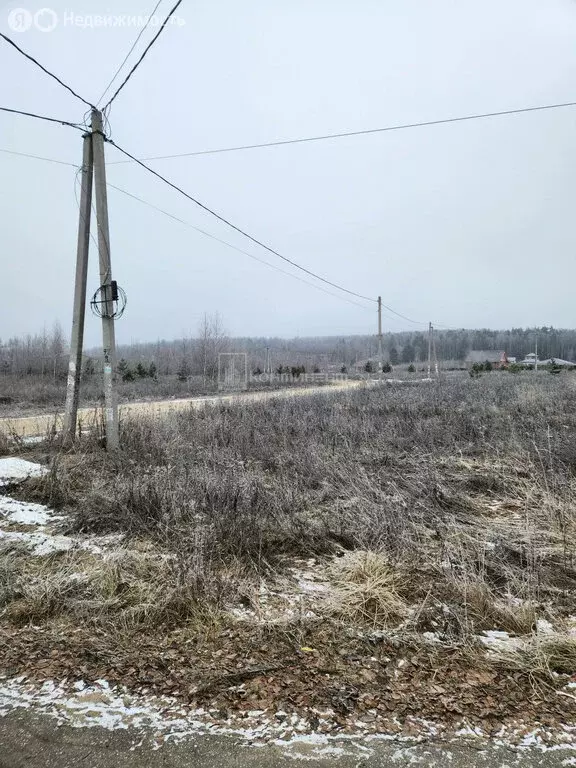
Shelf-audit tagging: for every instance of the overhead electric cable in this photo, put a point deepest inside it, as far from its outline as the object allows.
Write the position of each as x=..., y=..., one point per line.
x=141, y=59
x=366, y=132
x=38, y=157
x=238, y=229
x=47, y=71
x=224, y=242
x=234, y=247
x=144, y=28
x=42, y=117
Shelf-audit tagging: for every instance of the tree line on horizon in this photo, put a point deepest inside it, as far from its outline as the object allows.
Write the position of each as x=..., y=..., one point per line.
x=45, y=353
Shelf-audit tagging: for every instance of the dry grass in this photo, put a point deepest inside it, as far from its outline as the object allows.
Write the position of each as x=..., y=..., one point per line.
x=546, y=655
x=484, y=610
x=129, y=588
x=458, y=499
x=366, y=589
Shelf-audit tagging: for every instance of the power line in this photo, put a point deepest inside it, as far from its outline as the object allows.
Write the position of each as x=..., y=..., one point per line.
x=42, y=117
x=367, y=132
x=38, y=157
x=141, y=59
x=238, y=229
x=150, y=17
x=37, y=63
x=234, y=247
x=219, y=240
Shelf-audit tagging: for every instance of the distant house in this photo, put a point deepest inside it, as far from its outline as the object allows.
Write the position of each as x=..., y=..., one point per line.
x=531, y=359
x=496, y=357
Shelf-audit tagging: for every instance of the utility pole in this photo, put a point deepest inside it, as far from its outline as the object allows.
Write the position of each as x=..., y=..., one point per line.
x=380, y=353
x=79, y=312
x=108, y=335
x=429, y=348
x=536, y=360
x=434, y=350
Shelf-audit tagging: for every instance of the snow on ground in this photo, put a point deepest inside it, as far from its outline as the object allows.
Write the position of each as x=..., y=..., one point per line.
x=297, y=596
x=13, y=470
x=14, y=515
x=14, y=511
x=164, y=719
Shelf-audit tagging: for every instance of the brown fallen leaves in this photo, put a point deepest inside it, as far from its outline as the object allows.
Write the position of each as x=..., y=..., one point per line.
x=239, y=668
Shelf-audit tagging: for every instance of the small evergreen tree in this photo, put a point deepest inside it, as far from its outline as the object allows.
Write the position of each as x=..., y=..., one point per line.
x=124, y=371
x=386, y=368
x=153, y=371
x=369, y=367
x=183, y=370
x=343, y=369
x=141, y=371
x=411, y=368
x=89, y=367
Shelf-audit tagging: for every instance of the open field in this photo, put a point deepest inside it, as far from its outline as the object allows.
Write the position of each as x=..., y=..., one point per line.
x=361, y=561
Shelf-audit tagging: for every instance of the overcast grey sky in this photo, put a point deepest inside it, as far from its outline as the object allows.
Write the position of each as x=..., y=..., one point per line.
x=469, y=224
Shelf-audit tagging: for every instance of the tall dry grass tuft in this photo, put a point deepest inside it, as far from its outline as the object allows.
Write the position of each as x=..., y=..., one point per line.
x=367, y=589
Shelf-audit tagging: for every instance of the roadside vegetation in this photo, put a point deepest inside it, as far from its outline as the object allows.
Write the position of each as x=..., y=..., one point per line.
x=435, y=522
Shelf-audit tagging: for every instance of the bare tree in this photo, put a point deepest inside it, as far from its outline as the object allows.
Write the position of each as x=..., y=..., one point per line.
x=57, y=348
x=212, y=340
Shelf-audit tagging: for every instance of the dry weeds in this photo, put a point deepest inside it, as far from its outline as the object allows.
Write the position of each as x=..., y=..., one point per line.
x=453, y=505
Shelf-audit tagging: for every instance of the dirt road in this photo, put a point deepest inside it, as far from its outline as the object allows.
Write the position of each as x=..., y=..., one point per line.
x=34, y=426
x=32, y=741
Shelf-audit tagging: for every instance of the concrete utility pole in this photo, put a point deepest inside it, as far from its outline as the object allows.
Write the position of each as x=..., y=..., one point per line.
x=432, y=351
x=429, y=348
x=78, y=317
x=380, y=353
x=108, y=335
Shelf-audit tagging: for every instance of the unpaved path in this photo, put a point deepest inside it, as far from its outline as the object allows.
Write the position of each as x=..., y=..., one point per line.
x=34, y=426
x=33, y=741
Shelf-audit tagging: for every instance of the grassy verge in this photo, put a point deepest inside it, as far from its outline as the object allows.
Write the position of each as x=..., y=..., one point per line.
x=435, y=513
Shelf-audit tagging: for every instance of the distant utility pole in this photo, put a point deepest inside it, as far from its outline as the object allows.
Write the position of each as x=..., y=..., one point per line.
x=429, y=348
x=93, y=167
x=108, y=333
x=380, y=353
x=536, y=360
x=432, y=351
x=79, y=312
x=267, y=365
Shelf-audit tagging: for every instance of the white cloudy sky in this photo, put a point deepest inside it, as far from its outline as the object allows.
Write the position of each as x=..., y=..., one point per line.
x=470, y=224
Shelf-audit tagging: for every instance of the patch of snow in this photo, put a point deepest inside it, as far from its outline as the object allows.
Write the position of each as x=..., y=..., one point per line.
x=41, y=543
x=13, y=470
x=431, y=637
x=23, y=512
x=544, y=627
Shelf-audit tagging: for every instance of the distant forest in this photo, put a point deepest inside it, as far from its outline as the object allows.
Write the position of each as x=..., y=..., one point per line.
x=46, y=353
